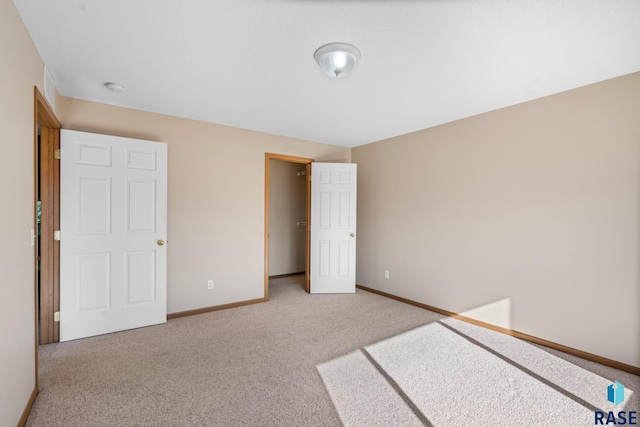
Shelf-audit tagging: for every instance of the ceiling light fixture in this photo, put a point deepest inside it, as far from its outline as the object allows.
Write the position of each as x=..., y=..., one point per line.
x=337, y=59
x=114, y=87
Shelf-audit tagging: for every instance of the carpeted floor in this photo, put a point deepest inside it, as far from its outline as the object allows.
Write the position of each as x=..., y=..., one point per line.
x=451, y=373
x=256, y=366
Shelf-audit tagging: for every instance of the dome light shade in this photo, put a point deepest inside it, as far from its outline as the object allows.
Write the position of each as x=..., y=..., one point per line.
x=337, y=59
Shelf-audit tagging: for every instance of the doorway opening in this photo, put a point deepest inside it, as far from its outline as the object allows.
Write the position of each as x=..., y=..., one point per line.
x=47, y=206
x=47, y=222
x=287, y=218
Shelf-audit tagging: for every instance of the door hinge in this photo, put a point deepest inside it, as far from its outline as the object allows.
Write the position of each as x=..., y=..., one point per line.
x=56, y=316
x=56, y=235
x=57, y=154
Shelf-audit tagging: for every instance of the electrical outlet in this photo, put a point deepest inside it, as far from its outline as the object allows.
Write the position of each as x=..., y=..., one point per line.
x=386, y=274
x=210, y=284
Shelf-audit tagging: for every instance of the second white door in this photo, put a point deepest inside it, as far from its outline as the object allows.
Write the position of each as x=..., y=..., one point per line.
x=113, y=203
x=333, y=228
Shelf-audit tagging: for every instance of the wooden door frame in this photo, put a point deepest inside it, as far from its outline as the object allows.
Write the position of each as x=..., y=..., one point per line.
x=290, y=159
x=47, y=300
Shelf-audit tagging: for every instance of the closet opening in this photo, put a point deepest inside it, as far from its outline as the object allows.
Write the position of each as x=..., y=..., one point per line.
x=287, y=211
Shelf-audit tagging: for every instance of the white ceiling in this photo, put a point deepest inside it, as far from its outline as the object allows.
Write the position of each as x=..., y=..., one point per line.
x=249, y=63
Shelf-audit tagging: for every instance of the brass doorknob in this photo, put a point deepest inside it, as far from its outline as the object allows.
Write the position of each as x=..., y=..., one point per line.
x=352, y=234
x=160, y=242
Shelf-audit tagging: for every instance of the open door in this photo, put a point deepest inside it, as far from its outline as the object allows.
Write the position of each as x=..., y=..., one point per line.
x=113, y=200
x=333, y=227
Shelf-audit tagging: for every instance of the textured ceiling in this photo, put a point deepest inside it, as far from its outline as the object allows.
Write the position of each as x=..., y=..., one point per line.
x=249, y=63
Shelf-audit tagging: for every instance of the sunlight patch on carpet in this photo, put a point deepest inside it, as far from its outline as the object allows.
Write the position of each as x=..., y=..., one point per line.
x=454, y=373
x=361, y=395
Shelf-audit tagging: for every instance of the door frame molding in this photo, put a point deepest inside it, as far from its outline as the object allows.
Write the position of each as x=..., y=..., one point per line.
x=290, y=159
x=44, y=117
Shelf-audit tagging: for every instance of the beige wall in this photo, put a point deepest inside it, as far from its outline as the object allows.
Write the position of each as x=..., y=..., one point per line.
x=287, y=206
x=20, y=71
x=216, y=197
x=530, y=216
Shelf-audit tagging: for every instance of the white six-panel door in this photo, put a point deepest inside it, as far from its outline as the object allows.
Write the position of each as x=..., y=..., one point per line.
x=113, y=206
x=333, y=227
